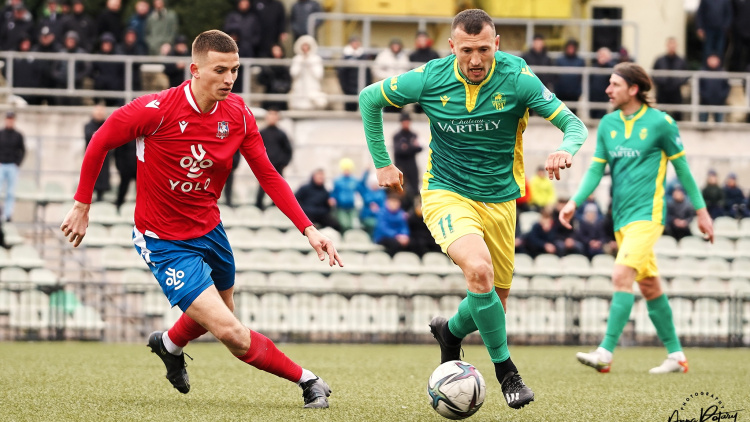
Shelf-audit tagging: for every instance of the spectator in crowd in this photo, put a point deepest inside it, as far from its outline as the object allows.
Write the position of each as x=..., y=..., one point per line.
x=713, y=194
x=176, y=71
x=391, y=228
x=391, y=61
x=344, y=193
x=301, y=10
x=137, y=22
x=598, y=83
x=82, y=24
x=82, y=69
x=537, y=56
x=6, y=13
x=276, y=79
x=349, y=76
x=680, y=212
x=565, y=238
x=246, y=24
x=420, y=238
x=740, y=59
x=109, y=76
x=12, y=151
x=46, y=68
x=735, y=202
x=161, y=27
x=278, y=148
x=590, y=231
x=229, y=185
x=713, y=91
x=307, y=76
x=98, y=116
x=544, y=190
x=669, y=89
x=16, y=28
x=373, y=200
x=272, y=18
x=568, y=87
x=610, y=243
x=131, y=47
x=316, y=202
x=110, y=20
x=541, y=238
x=623, y=55
x=713, y=20
x=127, y=166
x=26, y=72
x=423, y=51
x=406, y=146
x=52, y=19
x=591, y=200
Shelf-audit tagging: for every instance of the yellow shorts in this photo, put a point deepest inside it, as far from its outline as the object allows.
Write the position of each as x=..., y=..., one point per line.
x=636, y=247
x=449, y=216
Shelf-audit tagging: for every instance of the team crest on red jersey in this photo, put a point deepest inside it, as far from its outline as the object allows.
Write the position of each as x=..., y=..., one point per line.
x=223, y=130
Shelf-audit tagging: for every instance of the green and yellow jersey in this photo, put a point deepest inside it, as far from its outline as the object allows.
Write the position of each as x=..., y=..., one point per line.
x=637, y=149
x=476, y=145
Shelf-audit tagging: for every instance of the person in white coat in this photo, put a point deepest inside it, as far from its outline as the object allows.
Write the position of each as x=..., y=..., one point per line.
x=391, y=61
x=307, y=76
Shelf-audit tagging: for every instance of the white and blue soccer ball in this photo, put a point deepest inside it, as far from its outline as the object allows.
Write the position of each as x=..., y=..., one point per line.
x=456, y=389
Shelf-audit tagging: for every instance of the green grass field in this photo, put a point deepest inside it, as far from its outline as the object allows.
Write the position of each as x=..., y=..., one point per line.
x=113, y=382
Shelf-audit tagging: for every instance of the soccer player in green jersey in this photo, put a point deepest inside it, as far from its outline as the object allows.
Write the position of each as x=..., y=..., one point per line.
x=637, y=141
x=477, y=100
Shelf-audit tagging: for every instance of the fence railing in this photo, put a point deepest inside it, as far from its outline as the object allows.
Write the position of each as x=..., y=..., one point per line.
x=251, y=94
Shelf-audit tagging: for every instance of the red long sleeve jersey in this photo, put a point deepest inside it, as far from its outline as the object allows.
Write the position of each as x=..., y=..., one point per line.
x=184, y=158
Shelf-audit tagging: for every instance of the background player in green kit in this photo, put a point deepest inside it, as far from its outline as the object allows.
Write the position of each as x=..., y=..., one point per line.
x=637, y=141
x=477, y=100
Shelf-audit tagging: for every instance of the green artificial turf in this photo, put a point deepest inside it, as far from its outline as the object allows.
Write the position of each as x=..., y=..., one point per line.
x=115, y=382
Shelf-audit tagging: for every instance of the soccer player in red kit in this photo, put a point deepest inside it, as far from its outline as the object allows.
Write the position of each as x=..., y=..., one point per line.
x=186, y=137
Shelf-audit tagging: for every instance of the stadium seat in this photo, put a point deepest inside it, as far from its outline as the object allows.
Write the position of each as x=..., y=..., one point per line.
x=547, y=264
x=284, y=281
x=243, y=239
x=424, y=308
x=15, y=278
x=127, y=214
x=251, y=279
x=31, y=312
x=545, y=316
x=599, y=284
x=456, y=283
x=643, y=324
x=406, y=262
x=575, y=265
x=711, y=318
x=682, y=314
x=666, y=246
x=742, y=247
x=255, y=260
x=726, y=227
x=119, y=258
x=570, y=283
x=25, y=256
x=691, y=266
x=718, y=267
x=104, y=213
x=273, y=217
x=315, y=282
x=303, y=309
x=744, y=231
x=449, y=305
x=373, y=282
x=377, y=261
x=154, y=302
x=426, y=283
x=668, y=267
x=274, y=313
x=438, y=263
x=683, y=285
x=12, y=236
x=713, y=285
x=364, y=314
x=171, y=315
x=84, y=318
x=121, y=235
x=520, y=284
x=97, y=236
x=540, y=283
x=741, y=267
x=6, y=297
x=388, y=319
x=42, y=277
x=739, y=286
x=694, y=246
x=593, y=317
x=344, y=282
x=358, y=240
x=137, y=281
x=247, y=216
x=723, y=248
x=247, y=307
x=602, y=265
x=296, y=262
x=524, y=265
x=527, y=219
x=334, y=313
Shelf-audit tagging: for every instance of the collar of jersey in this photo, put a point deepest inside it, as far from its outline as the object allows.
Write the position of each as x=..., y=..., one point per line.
x=635, y=116
x=460, y=76
x=191, y=99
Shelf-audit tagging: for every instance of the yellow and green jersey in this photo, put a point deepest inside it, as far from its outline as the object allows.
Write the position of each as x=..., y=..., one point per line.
x=637, y=149
x=476, y=145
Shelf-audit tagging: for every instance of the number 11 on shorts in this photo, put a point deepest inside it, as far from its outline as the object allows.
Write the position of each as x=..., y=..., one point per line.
x=447, y=220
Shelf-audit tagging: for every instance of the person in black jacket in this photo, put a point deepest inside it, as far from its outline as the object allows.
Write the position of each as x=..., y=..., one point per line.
x=568, y=87
x=110, y=20
x=82, y=24
x=405, y=150
x=82, y=69
x=278, y=148
x=46, y=68
x=420, y=238
x=176, y=71
x=590, y=231
x=26, y=72
x=713, y=20
x=599, y=82
x=349, y=76
x=19, y=26
x=12, y=151
x=537, y=56
x=245, y=23
x=714, y=91
x=423, y=51
x=315, y=201
x=131, y=47
x=272, y=17
x=98, y=116
x=109, y=76
x=276, y=79
x=127, y=165
x=740, y=59
x=669, y=89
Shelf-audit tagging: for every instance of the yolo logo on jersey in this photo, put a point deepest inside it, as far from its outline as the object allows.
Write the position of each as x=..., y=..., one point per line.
x=195, y=166
x=174, y=278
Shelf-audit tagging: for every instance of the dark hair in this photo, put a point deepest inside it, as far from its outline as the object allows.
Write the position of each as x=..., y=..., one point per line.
x=213, y=40
x=635, y=75
x=472, y=21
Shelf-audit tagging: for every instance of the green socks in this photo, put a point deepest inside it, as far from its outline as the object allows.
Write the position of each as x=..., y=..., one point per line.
x=462, y=324
x=661, y=315
x=619, y=313
x=488, y=315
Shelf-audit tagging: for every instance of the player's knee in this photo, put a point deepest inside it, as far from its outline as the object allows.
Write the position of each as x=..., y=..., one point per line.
x=234, y=336
x=479, y=276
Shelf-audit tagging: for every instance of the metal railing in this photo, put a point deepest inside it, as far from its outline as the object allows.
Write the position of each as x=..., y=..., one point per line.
x=251, y=94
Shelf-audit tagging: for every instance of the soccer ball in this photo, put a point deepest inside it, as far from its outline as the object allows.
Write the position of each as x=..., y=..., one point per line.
x=456, y=389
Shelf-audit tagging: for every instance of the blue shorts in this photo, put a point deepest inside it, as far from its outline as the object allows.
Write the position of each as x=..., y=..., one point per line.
x=185, y=268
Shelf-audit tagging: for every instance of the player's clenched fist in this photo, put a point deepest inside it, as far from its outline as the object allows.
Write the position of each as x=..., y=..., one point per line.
x=558, y=160
x=390, y=177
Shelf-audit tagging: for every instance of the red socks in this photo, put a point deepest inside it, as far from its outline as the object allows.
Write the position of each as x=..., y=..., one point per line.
x=264, y=355
x=185, y=330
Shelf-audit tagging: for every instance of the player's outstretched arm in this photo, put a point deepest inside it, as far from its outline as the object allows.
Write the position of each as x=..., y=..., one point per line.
x=390, y=177
x=323, y=246
x=76, y=222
